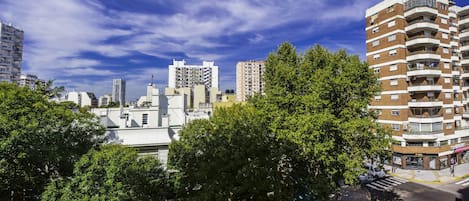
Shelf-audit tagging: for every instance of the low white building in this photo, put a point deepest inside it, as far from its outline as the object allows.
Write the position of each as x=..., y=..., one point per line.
x=151, y=125
x=104, y=100
x=82, y=98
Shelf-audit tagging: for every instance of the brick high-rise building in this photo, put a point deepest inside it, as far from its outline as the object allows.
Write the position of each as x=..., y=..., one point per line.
x=413, y=46
x=249, y=79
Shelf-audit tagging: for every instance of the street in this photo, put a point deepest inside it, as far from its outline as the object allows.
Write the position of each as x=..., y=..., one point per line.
x=394, y=189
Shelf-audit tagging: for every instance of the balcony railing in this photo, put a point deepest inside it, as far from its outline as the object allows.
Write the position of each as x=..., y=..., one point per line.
x=422, y=52
x=421, y=36
x=421, y=20
x=425, y=67
x=412, y=84
x=424, y=100
x=412, y=132
x=464, y=17
x=419, y=3
x=425, y=115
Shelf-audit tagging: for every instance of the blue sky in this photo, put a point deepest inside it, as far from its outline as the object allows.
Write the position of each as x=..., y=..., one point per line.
x=84, y=44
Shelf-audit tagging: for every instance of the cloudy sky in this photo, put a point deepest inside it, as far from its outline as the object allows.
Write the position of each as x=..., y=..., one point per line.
x=84, y=44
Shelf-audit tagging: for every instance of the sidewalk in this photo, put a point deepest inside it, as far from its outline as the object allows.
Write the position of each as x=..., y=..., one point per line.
x=431, y=176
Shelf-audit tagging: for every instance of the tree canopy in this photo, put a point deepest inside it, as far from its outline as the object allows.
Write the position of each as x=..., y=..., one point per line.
x=39, y=140
x=311, y=129
x=113, y=172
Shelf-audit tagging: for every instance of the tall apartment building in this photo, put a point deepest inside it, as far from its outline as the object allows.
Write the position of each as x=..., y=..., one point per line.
x=118, y=91
x=413, y=46
x=249, y=79
x=182, y=75
x=29, y=80
x=11, y=52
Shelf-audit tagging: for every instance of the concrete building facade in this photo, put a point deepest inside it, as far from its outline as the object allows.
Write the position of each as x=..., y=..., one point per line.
x=82, y=99
x=29, y=81
x=413, y=46
x=118, y=91
x=11, y=52
x=249, y=79
x=182, y=75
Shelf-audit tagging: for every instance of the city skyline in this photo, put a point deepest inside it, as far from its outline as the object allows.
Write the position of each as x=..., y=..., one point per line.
x=83, y=45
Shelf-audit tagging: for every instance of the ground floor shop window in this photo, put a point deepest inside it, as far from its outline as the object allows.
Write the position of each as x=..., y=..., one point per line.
x=443, y=162
x=432, y=162
x=465, y=156
x=414, y=162
x=397, y=160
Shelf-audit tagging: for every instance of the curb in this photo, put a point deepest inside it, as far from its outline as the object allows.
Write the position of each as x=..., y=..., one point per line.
x=430, y=182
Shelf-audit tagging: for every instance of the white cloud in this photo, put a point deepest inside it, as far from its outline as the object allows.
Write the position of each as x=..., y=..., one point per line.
x=59, y=32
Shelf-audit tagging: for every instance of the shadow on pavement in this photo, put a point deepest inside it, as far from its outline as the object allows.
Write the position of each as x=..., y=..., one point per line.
x=385, y=196
x=464, y=194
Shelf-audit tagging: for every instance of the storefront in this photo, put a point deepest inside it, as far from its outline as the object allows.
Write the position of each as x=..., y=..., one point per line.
x=462, y=153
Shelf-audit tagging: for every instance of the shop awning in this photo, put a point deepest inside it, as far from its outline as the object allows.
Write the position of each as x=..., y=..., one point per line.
x=461, y=149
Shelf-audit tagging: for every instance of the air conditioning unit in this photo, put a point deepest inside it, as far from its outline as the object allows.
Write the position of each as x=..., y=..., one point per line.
x=404, y=126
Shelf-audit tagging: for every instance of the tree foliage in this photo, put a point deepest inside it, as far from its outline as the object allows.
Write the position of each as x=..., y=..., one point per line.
x=310, y=130
x=39, y=140
x=318, y=101
x=113, y=173
x=232, y=156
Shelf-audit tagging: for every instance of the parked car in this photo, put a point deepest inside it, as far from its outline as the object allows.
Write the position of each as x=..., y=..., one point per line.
x=374, y=171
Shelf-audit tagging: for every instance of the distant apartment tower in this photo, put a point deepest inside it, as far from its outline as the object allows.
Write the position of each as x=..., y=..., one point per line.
x=182, y=75
x=413, y=48
x=118, y=91
x=29, y=80
x=11, y=52
x=249, y=79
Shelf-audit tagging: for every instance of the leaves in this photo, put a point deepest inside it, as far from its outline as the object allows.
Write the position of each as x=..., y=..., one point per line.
x=39, y=140
x=113, y=173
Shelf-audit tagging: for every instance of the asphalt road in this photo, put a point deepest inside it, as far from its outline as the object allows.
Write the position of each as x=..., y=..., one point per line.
x=395, y=189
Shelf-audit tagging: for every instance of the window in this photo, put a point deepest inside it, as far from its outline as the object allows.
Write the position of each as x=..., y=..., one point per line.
x=445, y=50
x=396, y=127
x=377, y=98
x=448, y=111
x=375, y=30
x=393, y=67
x=392, y=23
x=449, y=126
x=443, y=6
x=395, y=112
x=390, y=9
x=379, y=112
x=447, y=80
x=145, y=119
x=444, y=21
x=392, y=37
x=448, y=95
x=375, y=43
x=376, y=70
x=376, y=56
x=394, y=97
x=444, y=142
x=373, y=19
x=446, y=65
x=392, y=52
x=393, y=82
x=444, y=35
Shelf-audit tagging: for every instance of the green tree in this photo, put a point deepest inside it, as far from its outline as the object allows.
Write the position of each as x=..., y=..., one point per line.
x=232, y=156
x=113, y=173
x=39, y=140
x=48, y=89
x=318, y=101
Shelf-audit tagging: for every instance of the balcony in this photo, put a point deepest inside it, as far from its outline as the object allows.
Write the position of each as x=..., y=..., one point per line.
x=465, y=47
x=420, y=150
x=426, y=119
x=423, y=70
x=465, y=115
x=426, y=102
x=464, y=20
x=422, y=24
x=420, y=10
x=423, y=54
x=422, y=135
x=422, y=39
x=464, y=34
